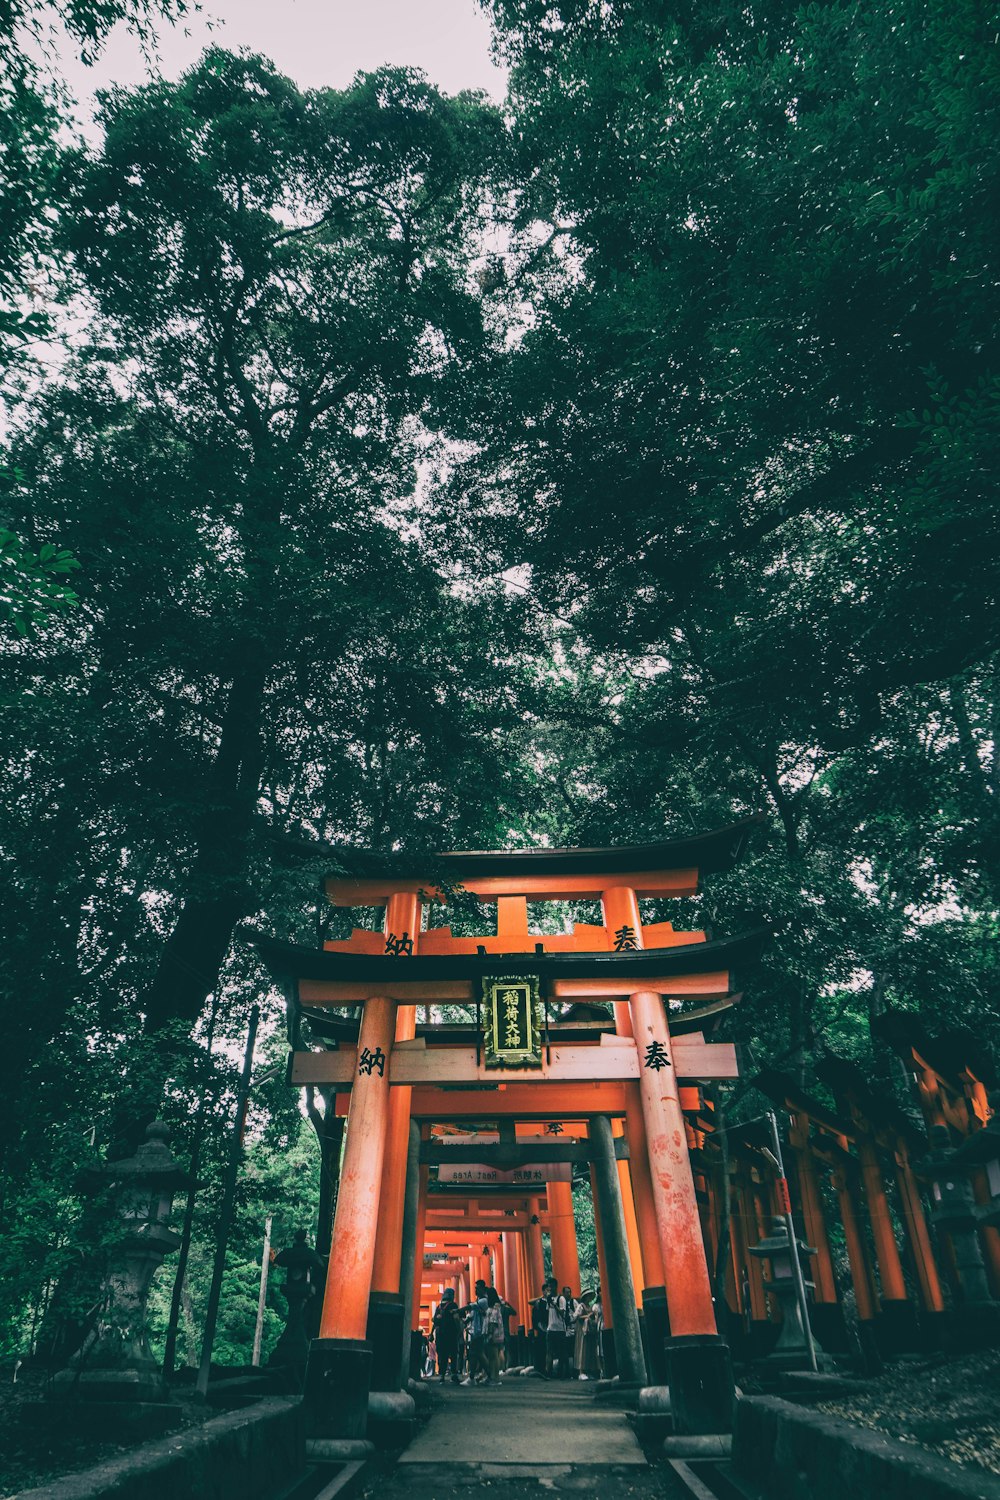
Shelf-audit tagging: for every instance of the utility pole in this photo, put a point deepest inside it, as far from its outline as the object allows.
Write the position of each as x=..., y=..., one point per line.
x=793, y=1244
x=265, y=1265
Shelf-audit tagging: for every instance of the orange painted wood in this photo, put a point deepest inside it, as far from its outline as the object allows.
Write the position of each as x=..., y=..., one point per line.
x=524, y=1275
x=511, y=1276
x=534, y=1258
x=640, y=1181
x=689, y=1290
x=402, y=916
x=348, y=1281
x=344, y=892
x=890, y=1268
x=811, y=1201
x=715, y=984
x=861, y=1276
x=586, y=1063
x=919, y=1235
x=336, y=992
x=412, y=992
x=562, y=1236
x=538, y=1101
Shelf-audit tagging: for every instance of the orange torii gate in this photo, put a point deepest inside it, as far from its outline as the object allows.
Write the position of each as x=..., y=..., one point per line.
x=515, y=1066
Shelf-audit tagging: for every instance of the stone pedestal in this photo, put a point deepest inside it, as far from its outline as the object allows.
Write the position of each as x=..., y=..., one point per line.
x=338, y=1378
x=385, y=1335
x=700, y=1377
x=291, y=1352
x=657, y=1324
x=897, y=1327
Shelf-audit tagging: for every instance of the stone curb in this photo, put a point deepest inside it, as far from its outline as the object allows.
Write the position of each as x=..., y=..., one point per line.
x=251, y=1453
x=791, y=1452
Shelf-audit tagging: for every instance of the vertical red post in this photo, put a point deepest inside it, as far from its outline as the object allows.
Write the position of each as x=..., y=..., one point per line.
x=689, y=1290
x=348, y=1279
x=562, y=1232
x=402, y=919
x=699, y=1372
x=534, y=1253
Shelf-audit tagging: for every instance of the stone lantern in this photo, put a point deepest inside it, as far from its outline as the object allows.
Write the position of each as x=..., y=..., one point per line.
x=115, y=1362
x=975, y=1321
x=792, y=1348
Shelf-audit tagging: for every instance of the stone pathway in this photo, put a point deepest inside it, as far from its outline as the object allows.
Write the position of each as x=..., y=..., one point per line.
x=522, y=1441
x=524, y=1422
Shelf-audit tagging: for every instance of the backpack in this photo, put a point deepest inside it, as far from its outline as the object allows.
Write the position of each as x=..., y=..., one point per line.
x=493, y=1327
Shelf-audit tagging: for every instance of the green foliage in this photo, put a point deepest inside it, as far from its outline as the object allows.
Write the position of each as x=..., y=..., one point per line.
x=31, y=586
x=696, y=343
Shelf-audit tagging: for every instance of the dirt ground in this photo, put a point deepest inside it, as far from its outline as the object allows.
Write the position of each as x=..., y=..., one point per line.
x=948, y=1404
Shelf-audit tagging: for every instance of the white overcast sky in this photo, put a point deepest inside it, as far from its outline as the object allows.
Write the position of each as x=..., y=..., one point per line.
x=315, y=42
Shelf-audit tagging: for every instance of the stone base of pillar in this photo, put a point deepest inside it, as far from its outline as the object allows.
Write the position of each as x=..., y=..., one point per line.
x=829, y=1327
x=610, y=1362
x=702, y=1391
x=391, y=1418
x=898, y=1327
x=338, y=1377
x=385, y=1335
x=657, y=1325
x=871, y=1354
x=972, y=1326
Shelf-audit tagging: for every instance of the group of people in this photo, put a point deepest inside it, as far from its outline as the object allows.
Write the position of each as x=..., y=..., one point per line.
x=469, y=1344
x=569, y=1329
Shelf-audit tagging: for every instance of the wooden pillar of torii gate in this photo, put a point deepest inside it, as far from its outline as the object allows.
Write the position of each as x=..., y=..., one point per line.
x=698, y=1366
x=339, y=1373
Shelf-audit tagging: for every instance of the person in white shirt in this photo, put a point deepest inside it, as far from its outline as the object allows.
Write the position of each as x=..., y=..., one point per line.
x=555, y=1330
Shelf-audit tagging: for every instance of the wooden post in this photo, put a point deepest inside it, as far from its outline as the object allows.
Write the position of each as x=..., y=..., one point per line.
x=919, y=1236
x=619, y=1290
x=408, y=1258
x=511, y=1276
x=421, y=1234
x=534, y=1254
x=689, y=1291
x=402, y=917
x=621, y=909
x=607, y=1308
x=348, y=1280
x=898, y=1330
x=562, y=1231
x=699, y=1370
x=890, y=1269
x=631, y=1225
x=864, y=1294
x=813, y=1221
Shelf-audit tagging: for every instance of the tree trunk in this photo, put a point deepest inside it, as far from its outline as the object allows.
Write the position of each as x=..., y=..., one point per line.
x=218, y=893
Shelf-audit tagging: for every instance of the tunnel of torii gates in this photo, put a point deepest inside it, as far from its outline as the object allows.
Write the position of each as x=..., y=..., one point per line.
x=590, y=1051
x=589, y=1055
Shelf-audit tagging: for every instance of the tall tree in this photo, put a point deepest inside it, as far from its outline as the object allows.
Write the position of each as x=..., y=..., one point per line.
x=263, y=660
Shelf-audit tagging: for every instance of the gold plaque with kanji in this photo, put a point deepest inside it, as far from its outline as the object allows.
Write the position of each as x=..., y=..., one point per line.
x=513, y=1029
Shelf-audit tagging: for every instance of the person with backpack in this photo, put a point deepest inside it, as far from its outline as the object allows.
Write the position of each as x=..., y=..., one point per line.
x=447, y=1331
x=494, y=1333
x=570, y=1344
x=555, y=1331
x=478, y=1370
x=539, y=1323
